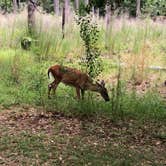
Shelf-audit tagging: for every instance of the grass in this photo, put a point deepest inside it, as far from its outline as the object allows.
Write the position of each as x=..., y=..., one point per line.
x=24, y=73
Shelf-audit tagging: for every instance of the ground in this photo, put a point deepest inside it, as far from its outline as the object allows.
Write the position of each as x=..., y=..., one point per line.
x=32, y=136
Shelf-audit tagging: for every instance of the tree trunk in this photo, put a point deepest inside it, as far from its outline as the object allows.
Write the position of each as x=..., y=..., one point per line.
x=107, y=23
x=5, y=7
x=76, y=4
x=65, y=15
x=86, y=2
x=18, y=4
x=138, y=10
x=108, y=16
x=63, y=21
x=67, y=10
x=56, y=7
x=98, y=13
x=31, y=16
x=93, y=11
x=14, y=6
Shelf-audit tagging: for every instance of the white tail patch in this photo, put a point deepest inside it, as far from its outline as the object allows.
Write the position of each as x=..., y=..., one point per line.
x=51, y=77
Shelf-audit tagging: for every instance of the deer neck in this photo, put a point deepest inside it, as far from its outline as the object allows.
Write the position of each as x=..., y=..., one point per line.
x=94, y=87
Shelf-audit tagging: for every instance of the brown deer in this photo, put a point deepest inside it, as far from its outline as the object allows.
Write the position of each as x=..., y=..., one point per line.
x=73, y=77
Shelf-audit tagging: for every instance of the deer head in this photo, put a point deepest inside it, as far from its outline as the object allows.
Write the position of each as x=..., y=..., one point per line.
x=102, y=90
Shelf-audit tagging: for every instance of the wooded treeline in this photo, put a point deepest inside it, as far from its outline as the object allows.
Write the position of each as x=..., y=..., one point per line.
x=132, y=7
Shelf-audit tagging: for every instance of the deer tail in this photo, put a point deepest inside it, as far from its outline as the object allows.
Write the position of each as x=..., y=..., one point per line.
x=50, y=74
x=49, y=71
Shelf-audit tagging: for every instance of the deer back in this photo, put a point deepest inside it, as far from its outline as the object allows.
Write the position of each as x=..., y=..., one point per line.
x=70, y=76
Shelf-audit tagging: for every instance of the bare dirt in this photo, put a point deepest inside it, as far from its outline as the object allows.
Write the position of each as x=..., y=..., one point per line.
x=146, y=139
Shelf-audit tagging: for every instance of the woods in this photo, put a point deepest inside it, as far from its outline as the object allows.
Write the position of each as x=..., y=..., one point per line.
x=82, y=82
x=146, y=7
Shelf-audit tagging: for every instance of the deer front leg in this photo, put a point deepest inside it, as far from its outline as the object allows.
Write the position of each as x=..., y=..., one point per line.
x=82, y=93
x=78, y=93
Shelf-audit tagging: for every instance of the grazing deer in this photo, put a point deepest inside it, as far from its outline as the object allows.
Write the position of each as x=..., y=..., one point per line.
x=73, y=77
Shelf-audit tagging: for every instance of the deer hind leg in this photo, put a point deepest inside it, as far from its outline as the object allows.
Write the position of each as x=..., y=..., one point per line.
x=52, y=86
x=82, y=93
x=49, y=90
x=78, y=93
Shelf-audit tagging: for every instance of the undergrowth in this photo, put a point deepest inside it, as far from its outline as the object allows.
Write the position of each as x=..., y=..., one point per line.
x=30, y=87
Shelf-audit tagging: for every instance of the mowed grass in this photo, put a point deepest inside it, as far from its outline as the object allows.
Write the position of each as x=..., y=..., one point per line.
x=32, y=137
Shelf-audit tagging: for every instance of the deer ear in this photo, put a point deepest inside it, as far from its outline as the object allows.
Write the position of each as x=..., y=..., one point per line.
x=102, y=83
x=98, y=84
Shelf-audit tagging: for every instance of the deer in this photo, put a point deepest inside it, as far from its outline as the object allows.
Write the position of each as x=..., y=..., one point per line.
x=75, y=78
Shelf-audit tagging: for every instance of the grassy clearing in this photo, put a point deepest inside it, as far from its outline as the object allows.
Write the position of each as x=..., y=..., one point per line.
x=132, y=45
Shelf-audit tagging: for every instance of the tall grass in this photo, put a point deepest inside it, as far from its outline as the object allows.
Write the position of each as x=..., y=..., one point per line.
x=126, y=34
x=23, y=77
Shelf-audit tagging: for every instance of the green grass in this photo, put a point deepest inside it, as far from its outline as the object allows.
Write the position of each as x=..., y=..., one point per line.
x=24, y=81
x=23, y=76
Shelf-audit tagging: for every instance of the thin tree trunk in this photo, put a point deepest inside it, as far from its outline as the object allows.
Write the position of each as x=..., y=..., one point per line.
x=67, y=10
x=107, y=23
x=31, y=16
x=63, y=21
x=5, y=6
x=56, y=7
x=76, y=4
x=65, y=15
x=97, y=13
x=138, y=10
x=86, y=2
x=18, y=4
x=108, y=16
x=14, y=6
x=93, y=11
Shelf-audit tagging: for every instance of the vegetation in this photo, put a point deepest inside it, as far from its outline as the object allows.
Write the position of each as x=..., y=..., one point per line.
x=130, y=129
x=90, y=35
x=149, y=7
x=25, y=72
